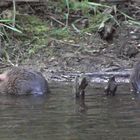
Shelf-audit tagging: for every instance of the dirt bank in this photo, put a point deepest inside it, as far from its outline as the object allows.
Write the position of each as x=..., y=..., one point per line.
x=78, y=53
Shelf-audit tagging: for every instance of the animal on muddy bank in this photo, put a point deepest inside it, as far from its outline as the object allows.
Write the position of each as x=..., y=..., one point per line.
x=21, y=81
x=135, y=78
x=111, y=87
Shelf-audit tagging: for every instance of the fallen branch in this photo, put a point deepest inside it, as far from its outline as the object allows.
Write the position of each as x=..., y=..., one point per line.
x=67, y=43
x=51, y=17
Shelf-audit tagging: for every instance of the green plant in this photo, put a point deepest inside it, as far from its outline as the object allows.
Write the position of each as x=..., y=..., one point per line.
x=59, y=33
x=8, y=23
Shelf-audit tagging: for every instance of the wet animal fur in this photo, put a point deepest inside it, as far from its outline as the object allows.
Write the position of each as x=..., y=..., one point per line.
x=79, y=86
x=135, y=79
x=111, y=88
x=19, y=81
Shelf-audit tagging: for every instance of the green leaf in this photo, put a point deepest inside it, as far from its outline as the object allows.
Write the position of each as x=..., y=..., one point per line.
x=12, y=28
x=6, y=20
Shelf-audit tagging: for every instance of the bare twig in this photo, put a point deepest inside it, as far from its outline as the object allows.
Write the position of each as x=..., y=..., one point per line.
x=9, y=61
x=14, y=12
x=67, y=18
x=57, y=20
x=134, y=6
x=67, y=43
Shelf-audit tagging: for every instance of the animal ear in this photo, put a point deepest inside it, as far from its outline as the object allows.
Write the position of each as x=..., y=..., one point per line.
x=2, y=77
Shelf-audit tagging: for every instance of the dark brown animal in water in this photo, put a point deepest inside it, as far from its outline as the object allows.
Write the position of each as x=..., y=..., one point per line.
x=20, y=81
x=111, y=88
x=79, y=86
x=135, y=79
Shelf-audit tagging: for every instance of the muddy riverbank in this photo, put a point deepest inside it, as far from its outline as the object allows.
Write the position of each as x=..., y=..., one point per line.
x=67, y=52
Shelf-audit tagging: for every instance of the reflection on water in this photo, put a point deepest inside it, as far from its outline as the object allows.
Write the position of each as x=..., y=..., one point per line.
x=61, y=117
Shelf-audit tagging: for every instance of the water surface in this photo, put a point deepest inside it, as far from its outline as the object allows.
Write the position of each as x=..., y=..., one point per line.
x=60, y=117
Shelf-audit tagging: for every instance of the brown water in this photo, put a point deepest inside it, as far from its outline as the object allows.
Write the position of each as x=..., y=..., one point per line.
x=60, y=117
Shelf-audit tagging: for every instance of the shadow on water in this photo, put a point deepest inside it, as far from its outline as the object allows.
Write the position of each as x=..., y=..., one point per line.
x=60, y=116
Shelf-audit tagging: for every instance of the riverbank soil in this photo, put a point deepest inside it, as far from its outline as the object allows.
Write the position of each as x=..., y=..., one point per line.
x=58, y=40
